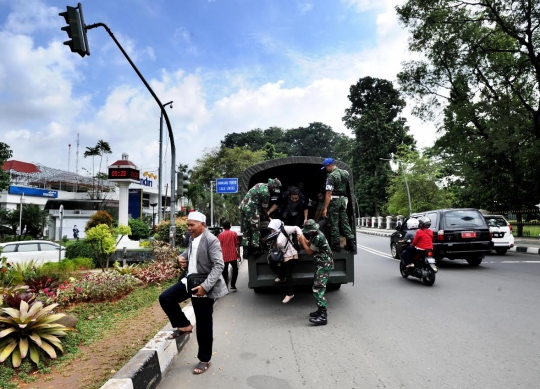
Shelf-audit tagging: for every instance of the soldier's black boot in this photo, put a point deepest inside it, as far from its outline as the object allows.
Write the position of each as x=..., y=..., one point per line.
x=315, y=313
x=321, y=319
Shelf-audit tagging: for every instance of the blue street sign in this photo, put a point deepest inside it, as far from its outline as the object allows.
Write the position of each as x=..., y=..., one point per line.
x=227, y=185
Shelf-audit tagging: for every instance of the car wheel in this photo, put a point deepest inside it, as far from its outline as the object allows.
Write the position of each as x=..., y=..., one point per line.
x=393, y=249
x=501, y=251
x=475, y=261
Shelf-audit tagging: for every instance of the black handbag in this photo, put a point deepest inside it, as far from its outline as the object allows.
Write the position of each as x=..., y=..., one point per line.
x=275, y=256
x=196, y=279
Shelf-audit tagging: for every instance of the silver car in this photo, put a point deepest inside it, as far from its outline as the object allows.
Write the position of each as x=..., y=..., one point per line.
x=26, y=250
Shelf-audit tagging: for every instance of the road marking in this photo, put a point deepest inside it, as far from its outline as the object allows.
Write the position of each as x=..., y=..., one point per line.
x=385, y=255
x=376, y=252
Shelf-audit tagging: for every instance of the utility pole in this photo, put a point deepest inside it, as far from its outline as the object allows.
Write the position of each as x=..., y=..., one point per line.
x=212, y=203
x=160, y=169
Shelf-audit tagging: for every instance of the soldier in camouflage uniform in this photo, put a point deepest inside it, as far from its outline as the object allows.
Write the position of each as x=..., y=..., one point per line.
x=255, y=200
x=335, y=206
x=324, y=263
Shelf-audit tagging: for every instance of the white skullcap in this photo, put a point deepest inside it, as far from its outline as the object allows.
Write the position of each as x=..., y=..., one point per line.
x=275, y=224
x=200, y=217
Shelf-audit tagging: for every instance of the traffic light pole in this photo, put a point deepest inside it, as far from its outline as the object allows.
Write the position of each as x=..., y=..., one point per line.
x=172, y=234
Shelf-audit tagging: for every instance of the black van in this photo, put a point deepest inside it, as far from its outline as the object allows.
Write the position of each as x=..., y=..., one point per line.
x=290, y=171
x=458, y=233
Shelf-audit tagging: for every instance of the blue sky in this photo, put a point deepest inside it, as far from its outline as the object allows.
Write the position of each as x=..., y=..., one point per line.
x=228, y=65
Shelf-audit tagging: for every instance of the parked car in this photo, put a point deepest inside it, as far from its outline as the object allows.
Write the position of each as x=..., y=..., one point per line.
x=501, y=231
x=39, y=250
x=458, y=233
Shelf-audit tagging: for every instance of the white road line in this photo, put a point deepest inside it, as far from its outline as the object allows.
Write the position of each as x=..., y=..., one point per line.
x=376, y=252
x=385, y=255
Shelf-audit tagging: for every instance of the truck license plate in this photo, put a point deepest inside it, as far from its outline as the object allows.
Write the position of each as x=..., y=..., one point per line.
x=468, y=234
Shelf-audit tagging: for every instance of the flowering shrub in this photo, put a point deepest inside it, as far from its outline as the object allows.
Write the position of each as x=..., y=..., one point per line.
x=92, y=287
x=157, y=272
x=163, y=229
x=163, y=251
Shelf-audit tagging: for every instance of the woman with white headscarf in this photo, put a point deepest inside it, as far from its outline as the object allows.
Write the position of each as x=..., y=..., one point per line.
x=284, y=270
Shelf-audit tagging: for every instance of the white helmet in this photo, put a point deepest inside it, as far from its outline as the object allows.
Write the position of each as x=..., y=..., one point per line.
x=412, y=224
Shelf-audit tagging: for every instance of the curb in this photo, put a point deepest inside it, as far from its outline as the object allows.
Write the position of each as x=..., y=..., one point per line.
x=147, y=367
x=519, y=249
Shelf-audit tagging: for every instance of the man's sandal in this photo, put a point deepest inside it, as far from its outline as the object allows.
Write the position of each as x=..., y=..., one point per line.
x=201, y=367
x=178, y=333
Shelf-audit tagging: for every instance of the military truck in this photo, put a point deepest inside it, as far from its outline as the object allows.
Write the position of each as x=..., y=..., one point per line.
x=290, y=171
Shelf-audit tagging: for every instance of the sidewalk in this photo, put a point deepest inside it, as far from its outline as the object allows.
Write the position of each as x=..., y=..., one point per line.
x=521, y=245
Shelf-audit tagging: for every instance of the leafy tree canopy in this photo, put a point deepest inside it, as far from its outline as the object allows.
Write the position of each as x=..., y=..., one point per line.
x=482, y=70
x=374, y=117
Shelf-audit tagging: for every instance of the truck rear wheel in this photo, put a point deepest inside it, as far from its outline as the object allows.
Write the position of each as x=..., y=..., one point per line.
x=333, y=286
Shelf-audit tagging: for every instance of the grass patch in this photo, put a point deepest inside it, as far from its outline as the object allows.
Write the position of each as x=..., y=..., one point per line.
x=528, y=231
x=96, y=321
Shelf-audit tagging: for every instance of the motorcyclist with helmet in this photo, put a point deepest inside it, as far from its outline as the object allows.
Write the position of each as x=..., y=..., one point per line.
x=423, y=240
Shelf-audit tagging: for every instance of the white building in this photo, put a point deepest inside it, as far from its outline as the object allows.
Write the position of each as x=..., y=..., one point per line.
x=81, y=196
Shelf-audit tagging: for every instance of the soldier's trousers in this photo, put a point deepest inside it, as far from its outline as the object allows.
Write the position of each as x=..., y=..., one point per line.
x=338, y=221
x=322, y=273
x=250, y=226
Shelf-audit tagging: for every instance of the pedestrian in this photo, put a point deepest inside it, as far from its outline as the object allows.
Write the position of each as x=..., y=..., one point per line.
x=202, y=280
x=75, y=232
x=284, y=242
x=254, y=202
x=335, y=206
x=293, y=208
x=230, y=246
x=324, y=263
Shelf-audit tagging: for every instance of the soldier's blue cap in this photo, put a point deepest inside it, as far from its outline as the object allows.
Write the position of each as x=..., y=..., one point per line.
x=326, y=162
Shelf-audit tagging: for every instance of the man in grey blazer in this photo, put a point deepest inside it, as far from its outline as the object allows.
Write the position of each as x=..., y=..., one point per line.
x=203, y=256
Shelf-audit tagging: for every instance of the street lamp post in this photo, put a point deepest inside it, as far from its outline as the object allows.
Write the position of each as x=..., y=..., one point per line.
x=20, y=215
x=405, y=178
x=212, y=203
x=160, y=205
x=61, y=218
x=153, y=205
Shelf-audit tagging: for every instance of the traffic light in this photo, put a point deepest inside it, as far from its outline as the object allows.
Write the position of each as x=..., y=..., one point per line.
x=76, y=30
x=185, y=184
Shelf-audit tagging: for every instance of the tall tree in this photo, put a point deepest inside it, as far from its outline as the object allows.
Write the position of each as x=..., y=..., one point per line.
x=482, y=69
x=375, y=119
x=5, y=154
x=92, y=152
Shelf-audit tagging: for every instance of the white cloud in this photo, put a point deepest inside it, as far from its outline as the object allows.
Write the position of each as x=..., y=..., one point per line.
x=304, y=6
x=27, y=16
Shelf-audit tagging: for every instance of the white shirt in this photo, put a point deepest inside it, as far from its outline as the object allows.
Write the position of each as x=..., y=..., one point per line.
x=192, y=260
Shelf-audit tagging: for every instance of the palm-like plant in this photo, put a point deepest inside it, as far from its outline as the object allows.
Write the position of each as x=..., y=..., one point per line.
x=92, y=152
x=29, y=329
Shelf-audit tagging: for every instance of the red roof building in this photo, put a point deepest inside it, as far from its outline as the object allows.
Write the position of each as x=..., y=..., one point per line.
x=20, y=167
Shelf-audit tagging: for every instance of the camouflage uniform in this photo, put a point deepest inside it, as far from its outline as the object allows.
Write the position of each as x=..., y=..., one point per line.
x=324, y=261
x=250, y=208
x=336, y=182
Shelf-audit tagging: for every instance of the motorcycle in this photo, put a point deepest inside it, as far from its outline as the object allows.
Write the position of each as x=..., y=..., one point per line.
x=424, y=267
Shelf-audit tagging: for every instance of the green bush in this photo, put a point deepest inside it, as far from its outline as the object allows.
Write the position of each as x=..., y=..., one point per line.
x=163, y=228
x=100, y=217
x=79, y=249
x=139, y=229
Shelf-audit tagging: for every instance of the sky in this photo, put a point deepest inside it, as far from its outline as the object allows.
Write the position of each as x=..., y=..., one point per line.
x=227, y=65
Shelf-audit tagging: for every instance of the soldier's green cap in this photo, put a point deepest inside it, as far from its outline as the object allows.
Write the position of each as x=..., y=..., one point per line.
x=310, y=225
x=274, y=184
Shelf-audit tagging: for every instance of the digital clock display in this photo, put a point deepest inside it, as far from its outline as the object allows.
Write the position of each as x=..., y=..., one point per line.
x=116, y=173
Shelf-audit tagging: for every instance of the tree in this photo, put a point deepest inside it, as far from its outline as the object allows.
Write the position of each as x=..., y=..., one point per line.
x=5, y=154
x=92, y=152
x=219, y=163
x=482, y=70
x=425, y=185
x=316, y=140
x=255, y=140
x=34, y=219
x=374, y=117
x=104, y=240
x=100, y=217
x=270, y=152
